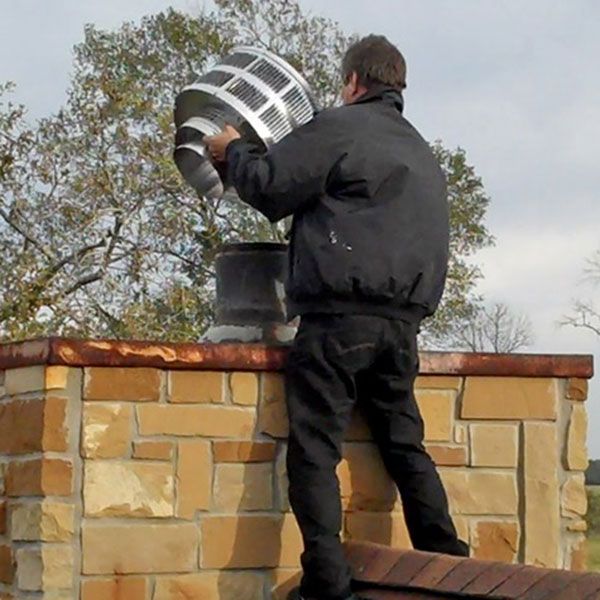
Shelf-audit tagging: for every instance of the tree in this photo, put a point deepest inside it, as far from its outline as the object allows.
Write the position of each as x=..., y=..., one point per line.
x=491, y=328
x=585, y=314
x=100, y=235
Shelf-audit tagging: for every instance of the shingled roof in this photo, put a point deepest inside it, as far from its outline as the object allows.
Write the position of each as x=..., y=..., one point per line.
x=384, y=573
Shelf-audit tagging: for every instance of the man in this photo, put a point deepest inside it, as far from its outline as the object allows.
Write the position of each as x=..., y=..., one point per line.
x=367, y=261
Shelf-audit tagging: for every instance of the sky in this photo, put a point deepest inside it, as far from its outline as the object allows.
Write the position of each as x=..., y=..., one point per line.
x=516, y=84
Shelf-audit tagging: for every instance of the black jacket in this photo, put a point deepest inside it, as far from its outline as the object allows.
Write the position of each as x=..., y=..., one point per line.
x=370, y=227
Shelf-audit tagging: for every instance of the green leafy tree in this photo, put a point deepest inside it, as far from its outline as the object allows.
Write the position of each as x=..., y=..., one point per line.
x=100, y=235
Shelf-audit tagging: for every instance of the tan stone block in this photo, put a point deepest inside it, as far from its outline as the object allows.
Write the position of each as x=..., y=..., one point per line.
x=244, y=388
x=574, y=502
x=272, y=412
x=21, y=426
x=127, y=384
x=229, y=542
x=281, y=480
x=55, y=436
x=128, y=489
x=243, y=487
x=46, y=568
x=42, y=521
x=56, y=377
x=118, y=588
x=509, y=398
x=437, y=382
x=495, y=540
x=23, y=380
x=578, y=525
x=241, y=585
x=541, y=495
x=198, y=420
x=577, y=455
x=247, y=452
x=437, y=410
x=378, y=527
x=194, y=478
x=106, y=430
x=480, y=492
x=364, y=481
x=153, y=450
x=7, y=567
x=283, y=581
x=494, y=445
x=462, y=526
x=196, y=386
x=141, y=548
x=40, y=477
x=358, y=430
x=579, y=556
x=461, y=434
x=577, y=389
x=448, y=456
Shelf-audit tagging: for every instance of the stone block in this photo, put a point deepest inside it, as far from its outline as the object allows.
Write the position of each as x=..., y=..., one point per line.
x=463, y=528
x=117, y=588
x=244, y=388
x=541, y=495
x=194, y=478
x=461, y=434
x=243, y=487
x=24, y=380
x=7, y=567
x=283, y=581
x=574, y=502
x=577, y=455
x=21, y=426
x=448, y=456
x=437, y=382
x=509, y=398
x=437, y=410
x=378, y=527
x=480, y=492
x=197, y=420
x=56, y=377
x=106, y=430
x=578, y=556
x=128, y=489
x=494, y=445
x=141, y=548
x=577, y=389
x=229, y=542
x=281, y=480
x=46, y=568
x=241, y=585
x=364, y=481
x=153, y=450
x=40, y=477
x=133, y=384
x=42, y=521
x=272, y=412
x=55, y=436
x=196, y=387
x=577, y=525
x=495, y=540
x=246, y=452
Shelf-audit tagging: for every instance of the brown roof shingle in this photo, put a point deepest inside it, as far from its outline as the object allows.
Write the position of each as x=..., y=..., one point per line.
x=383, y=573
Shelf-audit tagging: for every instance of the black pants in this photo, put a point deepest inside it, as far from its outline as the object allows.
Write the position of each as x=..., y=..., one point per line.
x=337, y=360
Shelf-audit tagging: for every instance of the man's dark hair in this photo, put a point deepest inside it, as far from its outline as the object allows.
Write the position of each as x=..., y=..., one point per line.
x=376, y=61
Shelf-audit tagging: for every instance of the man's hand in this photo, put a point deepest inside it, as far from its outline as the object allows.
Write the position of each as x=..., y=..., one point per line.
x=217, y=144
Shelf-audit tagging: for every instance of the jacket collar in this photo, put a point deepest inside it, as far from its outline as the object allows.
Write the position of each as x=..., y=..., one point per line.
x=385, y=93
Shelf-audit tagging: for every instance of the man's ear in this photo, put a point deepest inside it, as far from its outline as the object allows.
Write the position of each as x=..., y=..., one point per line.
x=353, y=81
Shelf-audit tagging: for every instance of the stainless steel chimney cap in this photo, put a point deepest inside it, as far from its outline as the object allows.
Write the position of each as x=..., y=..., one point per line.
x=252, y=89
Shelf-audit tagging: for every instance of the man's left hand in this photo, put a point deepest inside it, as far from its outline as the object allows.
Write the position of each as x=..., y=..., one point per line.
x=217, y=144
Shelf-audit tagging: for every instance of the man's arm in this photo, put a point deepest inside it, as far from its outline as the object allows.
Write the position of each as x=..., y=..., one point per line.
x=292, y=174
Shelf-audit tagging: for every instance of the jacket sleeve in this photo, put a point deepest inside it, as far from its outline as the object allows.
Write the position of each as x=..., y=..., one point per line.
x=292, y=174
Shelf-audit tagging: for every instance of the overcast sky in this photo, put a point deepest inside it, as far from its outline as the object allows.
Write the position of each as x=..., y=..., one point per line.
x=516, y=84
